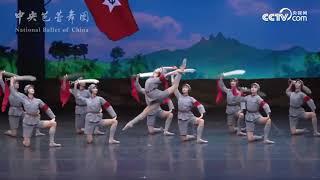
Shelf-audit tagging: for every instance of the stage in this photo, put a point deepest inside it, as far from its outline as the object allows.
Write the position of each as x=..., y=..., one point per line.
x=143, y=156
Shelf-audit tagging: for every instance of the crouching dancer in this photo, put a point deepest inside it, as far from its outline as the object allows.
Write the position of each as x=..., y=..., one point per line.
x=94, y=114
x=31, y=118
x=185, y=115
x=234, y=115
x=15, y=112
x=253, y=102
x=296, y=111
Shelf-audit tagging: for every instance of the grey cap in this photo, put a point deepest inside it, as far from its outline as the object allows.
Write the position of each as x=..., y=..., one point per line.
x=187, y=85
x=91, y=87
x=27, y=87
x=256, y=84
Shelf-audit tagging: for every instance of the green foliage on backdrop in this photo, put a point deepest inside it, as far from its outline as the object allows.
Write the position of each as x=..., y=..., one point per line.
x=210, y=57
x=8, y=59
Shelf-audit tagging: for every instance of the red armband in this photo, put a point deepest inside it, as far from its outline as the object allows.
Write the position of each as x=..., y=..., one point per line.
x=106, y=105
x=196, y=104
x=164, y=81
x=166, y=101
x=306, y=98
x=262, y=103
x=45, y=107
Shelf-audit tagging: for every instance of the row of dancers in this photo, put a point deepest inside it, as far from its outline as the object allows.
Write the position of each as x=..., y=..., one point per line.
x=243, y=104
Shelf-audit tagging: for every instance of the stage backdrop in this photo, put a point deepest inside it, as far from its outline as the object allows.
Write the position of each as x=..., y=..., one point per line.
x=268, y=39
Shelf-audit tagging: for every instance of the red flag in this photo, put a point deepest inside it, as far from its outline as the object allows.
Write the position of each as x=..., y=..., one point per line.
x=134, y=92
x=219, y=97
x=235, y=91
x=6, y=97
x=64, y=92
x=113, y=17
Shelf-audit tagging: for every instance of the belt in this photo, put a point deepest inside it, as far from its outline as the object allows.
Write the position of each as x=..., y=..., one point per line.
x=16, y=106
x=33, y=114
x=185, y=111
x=94, y=112
x=232, y=104
x=81, y=105
x=252, y=111
x=295, y=107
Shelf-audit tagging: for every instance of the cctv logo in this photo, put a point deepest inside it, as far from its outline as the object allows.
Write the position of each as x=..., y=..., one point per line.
x=285, y=14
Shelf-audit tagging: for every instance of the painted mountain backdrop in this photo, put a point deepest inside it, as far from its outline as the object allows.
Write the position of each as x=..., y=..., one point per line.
x=210, y=56
x=219, y=54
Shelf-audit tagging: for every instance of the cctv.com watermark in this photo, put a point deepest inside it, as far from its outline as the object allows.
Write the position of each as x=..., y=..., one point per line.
x=286, y=14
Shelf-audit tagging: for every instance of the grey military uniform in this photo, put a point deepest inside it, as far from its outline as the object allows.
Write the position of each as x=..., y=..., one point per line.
x=153, y=94
x=80, y=108
x=296, y=111
x=156, y=113
x=94, y=116
x=252, y=105
x=185, y=115
x=233, y=106
x=32, y=108
x=15, y=110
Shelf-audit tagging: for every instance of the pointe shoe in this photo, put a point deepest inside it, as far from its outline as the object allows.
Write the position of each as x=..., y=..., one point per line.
x=190, y=137
x=38, y=133
x=113, y=141
x=53, y=144
x=258, y=138
x=127, y=126
x=98, y=132
x=167, y=133
x=241, y=133
x=305, y=130
x=201, y=141
x=183, y=64
x=9, y=133
x=316, y=134
x=267, y=141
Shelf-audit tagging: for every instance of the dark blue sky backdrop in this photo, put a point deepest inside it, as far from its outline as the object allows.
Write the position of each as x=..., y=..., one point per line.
x=169, y=24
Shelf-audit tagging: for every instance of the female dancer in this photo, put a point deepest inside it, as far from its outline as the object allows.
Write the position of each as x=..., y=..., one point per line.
x=80, y=108
x=94, y=115
x=156, y=96
x=31, y=118
x=185, y=115
x=253, y=102
x=157, y=113
x=233, y=110
x=15, y=112
x=296, y=111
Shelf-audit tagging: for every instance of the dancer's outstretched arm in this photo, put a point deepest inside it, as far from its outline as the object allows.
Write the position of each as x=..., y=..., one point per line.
x=172, y=73
x=138, y=86
x=19, y=96
x=288, y=90
x=222, y=85
x=2, y=82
